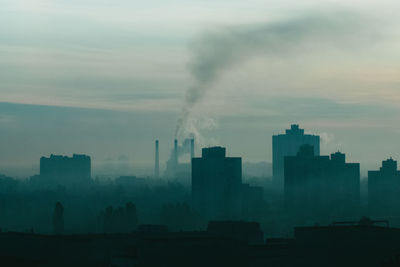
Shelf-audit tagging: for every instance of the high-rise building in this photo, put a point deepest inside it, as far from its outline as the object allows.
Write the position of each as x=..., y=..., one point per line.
x=384, y=189
x=288, y=144
x=321, y=186
x=65, y=170
x=216, y=184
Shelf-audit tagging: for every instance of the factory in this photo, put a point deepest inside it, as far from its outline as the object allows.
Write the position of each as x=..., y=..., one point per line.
x=178, y=166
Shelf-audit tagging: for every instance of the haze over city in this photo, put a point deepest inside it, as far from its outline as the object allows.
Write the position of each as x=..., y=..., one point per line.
x=190, y=133
x=108, y=78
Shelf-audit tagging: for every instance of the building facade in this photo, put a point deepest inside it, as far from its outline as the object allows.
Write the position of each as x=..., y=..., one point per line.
x=288, y=144
x=216, y=184
x=65, y=170
x=384, y=189
x=321, y=186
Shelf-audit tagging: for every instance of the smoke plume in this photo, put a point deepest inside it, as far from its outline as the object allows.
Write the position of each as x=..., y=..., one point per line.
x=217, y=51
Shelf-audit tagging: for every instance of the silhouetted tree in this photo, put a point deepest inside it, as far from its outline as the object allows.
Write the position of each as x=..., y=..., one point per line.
x=120, y=220
x=58, y=219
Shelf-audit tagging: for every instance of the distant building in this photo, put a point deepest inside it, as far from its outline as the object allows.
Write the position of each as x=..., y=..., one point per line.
x=319, y=186
x=288, y=144
x=384, y=189
x=131, y=181
x=216, y=184
x=63, y=170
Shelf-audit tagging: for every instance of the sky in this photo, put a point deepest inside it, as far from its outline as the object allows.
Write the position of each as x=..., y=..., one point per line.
x=107, y=78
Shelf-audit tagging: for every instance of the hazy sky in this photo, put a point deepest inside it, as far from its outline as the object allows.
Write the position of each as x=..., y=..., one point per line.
x=119, y=73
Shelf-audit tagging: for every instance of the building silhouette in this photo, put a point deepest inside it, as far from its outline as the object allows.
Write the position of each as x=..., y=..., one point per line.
x=384, y=189
x=64, y=170
x=365, y=243
x=288, y=144
x=319, y=187
x=216, y=184
x=249, y=232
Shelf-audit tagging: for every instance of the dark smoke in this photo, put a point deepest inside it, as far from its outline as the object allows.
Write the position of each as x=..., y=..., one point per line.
x=217, y=51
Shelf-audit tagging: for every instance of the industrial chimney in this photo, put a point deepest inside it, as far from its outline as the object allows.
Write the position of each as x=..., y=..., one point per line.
x=191, y=148
x=157, y=162
x=176, y=152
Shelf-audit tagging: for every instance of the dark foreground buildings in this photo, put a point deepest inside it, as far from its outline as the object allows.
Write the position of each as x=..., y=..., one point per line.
x=217, y=189
x=347, y=245
x=321, y=187
x=384, y=190
x=288, y=144
x=216, y=184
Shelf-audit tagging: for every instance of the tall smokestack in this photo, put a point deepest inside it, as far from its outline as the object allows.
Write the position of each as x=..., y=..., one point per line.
x=157, y=162
x=192, y=148
x=176, y=152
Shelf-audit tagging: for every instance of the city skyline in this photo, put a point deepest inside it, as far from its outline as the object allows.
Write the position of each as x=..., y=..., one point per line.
x=122, y=163
x=199, y=133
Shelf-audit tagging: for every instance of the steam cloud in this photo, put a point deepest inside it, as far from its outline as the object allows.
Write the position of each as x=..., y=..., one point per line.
x=217, y=51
